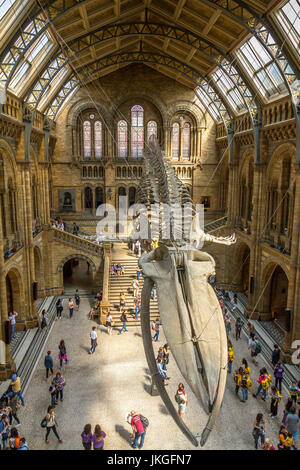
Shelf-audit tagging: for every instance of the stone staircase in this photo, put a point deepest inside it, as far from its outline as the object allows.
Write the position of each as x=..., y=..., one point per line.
x=123, y=283
x=215, y=224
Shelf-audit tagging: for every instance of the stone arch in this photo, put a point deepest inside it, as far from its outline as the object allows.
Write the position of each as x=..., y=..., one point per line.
x=81, y=106
x=186, y=107
x=242, y=265
x=15, y=291
x=146, y=97
x=274, y=289
x=60, y=266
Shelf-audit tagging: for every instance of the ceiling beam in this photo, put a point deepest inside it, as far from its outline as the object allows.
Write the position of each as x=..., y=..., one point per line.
x=211, y=22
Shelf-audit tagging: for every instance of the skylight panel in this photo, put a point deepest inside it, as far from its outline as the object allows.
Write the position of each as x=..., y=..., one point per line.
x=5, y=6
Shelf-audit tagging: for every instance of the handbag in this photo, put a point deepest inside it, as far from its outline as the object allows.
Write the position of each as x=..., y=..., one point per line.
x=44, y=422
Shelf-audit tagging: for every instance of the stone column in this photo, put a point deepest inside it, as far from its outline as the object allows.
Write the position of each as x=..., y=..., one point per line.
x=199, y=143
x=106, y=281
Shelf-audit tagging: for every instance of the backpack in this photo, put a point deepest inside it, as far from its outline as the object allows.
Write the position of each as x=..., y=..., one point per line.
x=249, y=382
x=179, y=400
x=265, y=383
x=257, y=348
x=17, y=442
x=231, y=355
x=144, y=421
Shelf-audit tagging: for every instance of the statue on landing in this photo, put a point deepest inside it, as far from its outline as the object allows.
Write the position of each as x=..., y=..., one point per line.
x=189, y=309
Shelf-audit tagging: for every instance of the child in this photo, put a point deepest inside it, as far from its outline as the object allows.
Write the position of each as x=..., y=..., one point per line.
x=52, y=390
x=294, y=392
x=230, y=357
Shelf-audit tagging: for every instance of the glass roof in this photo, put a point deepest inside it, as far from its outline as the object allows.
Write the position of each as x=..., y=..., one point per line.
x=229, y=90
x=208, y=103
x=289, y=18
x=5, y=6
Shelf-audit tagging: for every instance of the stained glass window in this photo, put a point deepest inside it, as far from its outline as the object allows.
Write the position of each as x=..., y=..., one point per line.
x=98, y=139
x=87, y=141
x=151, y=129
x=137, y=131
x=186, y=140
x=175, y=140
x=122, y=139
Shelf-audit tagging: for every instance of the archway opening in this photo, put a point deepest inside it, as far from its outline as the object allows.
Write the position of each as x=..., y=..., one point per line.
x=245, y=269
x=77, y=274
x=278, y=297
x=13, y=292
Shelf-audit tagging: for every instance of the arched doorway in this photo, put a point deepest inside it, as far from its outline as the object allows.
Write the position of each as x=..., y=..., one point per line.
x=78, y=273
x=14, y=295
x=245, y=269
x=88, y=200
x=275, y=295
x=38, y=268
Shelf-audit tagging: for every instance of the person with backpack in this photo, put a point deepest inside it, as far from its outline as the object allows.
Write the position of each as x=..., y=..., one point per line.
x=77, y=299
x=50, y=423
x=285, y=441
x=231, y=357
x=62, y=356
x=255, y=348
x=14, y=439
x=59, y=308
x=247, y=370
x=246, y=384
x=275, y=400
x=259, y=430
x=181, y=399
x=48, y=362
x=264, y=382
x=123, y=319
x=139, y=429
x=278, y=374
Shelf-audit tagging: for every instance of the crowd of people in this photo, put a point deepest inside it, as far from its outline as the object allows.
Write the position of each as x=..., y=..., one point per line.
x=268, y=384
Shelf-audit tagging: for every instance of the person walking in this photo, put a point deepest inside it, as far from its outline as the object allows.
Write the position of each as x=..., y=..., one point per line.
x=59, y=308
x=122, y=301
x=238, y=379
x=137, y=307
x=52, y=390
x=227, y=320
x=238, y=328
x=254, y=347
x=155, y=337
x=16, y=388
x=109, y=323
x=161, y=370
x=135, y=287
x=123, y=319
x=86, y=437
x=12, y=318
x=275, y=400
x=246, y=384
x=287, y=410
x=231, y=357
x=48, y=362
x=247, y=370
x=278, y=374
x=98, y=438
x=63, y=356
x=259, y=430
x=4, y=430
x=166, y=356
x=14, y=439
x=59, y=382
x=275, y=355
x=263, y=383
x=13, y=403
x=181, y=399
x=51, y=424
x=77, y=299
x=71, y=307
x=138, y=429
x=138, y=273
x=93, y=336
x=294, y=391
x=45, y=320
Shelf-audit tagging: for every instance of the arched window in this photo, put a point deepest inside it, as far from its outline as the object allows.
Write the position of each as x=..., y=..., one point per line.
x=122, y=139
x=175, y=140
x=131, y=196
x=151, y=129
x=98, y=139
x=137, y=131
x=186, y=140
x=87, y=141
x=99, y=197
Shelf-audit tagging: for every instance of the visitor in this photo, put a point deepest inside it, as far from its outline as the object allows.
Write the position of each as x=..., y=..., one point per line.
x=275, y=400
x=287, y=410
x=292, y=421
x=294, y=392
x=285, y=441
x=23, y=444
x=247, y=370
x=153, y=293
x=71, y=307
x=48, y=362
x=181, y=399
x=238, y=379
x=161, y=370
x=245, y=385
x=122, y=301
x=59, y=308
x=12, y=318
x=45, y=320
x=14, y=439
x=137, y=307
x=238, y=328
x=278, y=374
x=234, y=302
x=166, y=355
x=75, y=229
x=251, y=329
x=275, y=355
x=138, y=273
x=259, y=430
x=94, y=344
x=135, y=287
x=268, y=445
x=254, y=347
x=16, y=388
x=155, y=337
x=98, y=438
x=109, y=323
x=77, y=299
x=231, y=357
x=4, y=430
x=62, y=356
x=227, y=320
x=59, y=382
x=123, y=319
x=52, y=390
x=263, y=384
x=51, y=424
x=139, y=430
x=87, y=436
x=13, y=403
